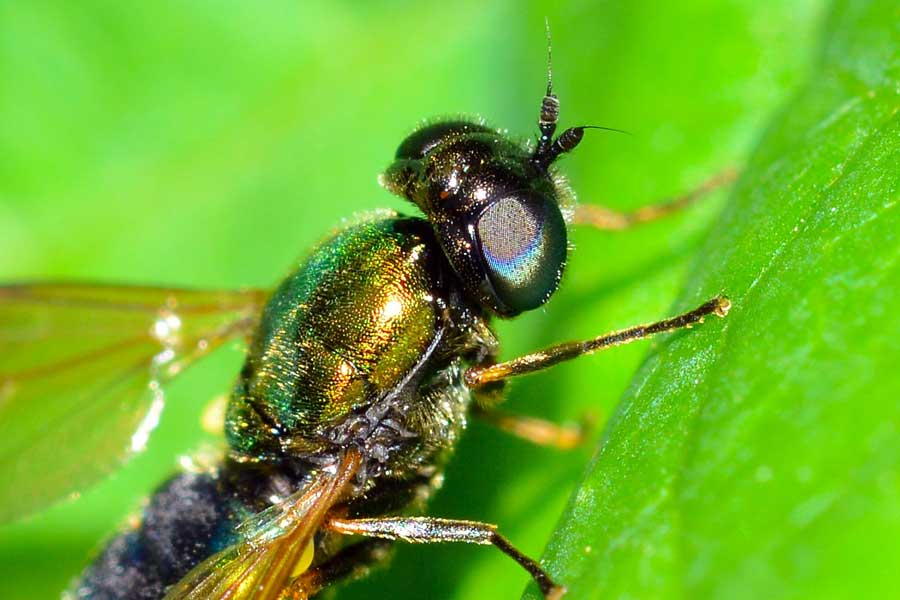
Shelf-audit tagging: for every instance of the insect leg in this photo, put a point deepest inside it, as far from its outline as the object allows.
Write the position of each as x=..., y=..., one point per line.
x=604, y=218
x=430, y=530
x=349, y=563
x=534, y=430
x=478, y=376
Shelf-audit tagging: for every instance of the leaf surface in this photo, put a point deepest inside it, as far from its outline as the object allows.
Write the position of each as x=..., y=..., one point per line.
x=759, y=456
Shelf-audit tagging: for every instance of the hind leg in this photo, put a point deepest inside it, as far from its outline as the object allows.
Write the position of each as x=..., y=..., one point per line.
x=349, y=563
x=431, y=530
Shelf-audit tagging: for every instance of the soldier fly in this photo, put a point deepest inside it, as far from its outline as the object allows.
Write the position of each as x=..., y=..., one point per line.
x=361, y=370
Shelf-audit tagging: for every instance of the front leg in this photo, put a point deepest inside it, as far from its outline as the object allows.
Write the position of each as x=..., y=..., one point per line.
x=488, y=377
x=430, y=530
x=491, y=374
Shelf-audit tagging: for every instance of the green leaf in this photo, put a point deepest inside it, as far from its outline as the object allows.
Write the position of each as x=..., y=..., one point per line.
x=211, y=144
x=759, y=456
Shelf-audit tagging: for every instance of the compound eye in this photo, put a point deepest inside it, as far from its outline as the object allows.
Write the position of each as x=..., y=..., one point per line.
x=523, y=243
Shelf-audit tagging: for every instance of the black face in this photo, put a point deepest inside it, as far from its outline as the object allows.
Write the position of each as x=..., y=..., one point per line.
x=494, y=205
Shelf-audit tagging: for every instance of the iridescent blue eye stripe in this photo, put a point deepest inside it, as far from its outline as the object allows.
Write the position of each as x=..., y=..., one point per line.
x=519, y=268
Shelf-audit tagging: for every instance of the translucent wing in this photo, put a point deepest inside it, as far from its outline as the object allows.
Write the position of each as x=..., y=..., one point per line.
x=80, y=374
x=261, y=566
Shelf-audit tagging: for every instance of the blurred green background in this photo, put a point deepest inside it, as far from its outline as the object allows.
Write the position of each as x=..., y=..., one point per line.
x=209, y=144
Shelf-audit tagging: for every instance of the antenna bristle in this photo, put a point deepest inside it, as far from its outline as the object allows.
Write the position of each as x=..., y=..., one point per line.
x=549, y=58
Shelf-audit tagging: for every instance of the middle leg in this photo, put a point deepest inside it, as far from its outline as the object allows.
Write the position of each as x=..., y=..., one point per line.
x=611, y=220
x=534, y=430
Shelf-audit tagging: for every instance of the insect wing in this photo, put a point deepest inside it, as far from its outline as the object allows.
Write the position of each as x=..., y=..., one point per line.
x=80, y=373
x=261, y=566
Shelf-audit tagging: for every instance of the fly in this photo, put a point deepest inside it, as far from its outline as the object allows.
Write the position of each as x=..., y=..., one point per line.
x=362, y=367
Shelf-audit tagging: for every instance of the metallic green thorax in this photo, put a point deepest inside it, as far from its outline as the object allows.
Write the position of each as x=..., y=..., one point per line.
x=353, y=348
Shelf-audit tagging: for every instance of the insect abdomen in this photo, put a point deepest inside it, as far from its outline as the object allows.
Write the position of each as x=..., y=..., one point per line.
x=186, y=520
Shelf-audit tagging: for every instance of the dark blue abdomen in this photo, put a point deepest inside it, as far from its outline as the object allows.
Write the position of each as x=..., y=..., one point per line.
x=187, y=520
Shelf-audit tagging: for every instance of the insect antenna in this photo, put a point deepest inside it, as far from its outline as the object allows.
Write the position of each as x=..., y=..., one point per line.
x=549, y=106
x=566, y=142
x=549, y=58
x=602, y=128
x=548, y=149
